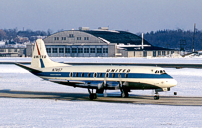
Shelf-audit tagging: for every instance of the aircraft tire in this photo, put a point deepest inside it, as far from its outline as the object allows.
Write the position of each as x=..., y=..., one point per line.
x=156, y=97
x=93, y=96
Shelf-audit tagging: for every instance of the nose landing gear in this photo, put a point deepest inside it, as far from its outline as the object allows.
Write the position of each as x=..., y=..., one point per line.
x=156, y=96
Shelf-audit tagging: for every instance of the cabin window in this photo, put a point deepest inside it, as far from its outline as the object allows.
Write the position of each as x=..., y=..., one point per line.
x=95, y=74
x=70, y=74
x=126, y=75
x=107, y=75
x=82, y=74
x=76, y=75
x=88, y=75
x=119, y=75
x=100, y=75
x=113, y=75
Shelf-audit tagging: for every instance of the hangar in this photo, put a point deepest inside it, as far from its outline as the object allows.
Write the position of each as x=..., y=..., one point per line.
x=101, y=42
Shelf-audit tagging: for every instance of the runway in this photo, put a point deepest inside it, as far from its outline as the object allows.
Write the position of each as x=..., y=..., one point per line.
x=111, y=98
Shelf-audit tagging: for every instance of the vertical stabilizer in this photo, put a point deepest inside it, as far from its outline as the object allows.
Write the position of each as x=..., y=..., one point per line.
x=40, y=58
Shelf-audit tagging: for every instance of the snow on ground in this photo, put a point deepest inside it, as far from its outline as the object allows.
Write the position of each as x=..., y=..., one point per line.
x=50, y=113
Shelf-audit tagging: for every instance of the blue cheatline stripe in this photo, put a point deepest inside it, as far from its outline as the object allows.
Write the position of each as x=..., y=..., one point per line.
x=116, y=75
x=42, y=64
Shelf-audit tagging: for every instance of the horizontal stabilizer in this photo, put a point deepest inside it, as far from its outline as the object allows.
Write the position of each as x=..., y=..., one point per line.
x=32, y=70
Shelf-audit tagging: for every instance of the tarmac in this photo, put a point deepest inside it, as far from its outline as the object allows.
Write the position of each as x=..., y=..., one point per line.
x=110, y=98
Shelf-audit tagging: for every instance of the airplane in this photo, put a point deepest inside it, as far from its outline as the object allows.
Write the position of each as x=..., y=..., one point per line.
x=99, y=77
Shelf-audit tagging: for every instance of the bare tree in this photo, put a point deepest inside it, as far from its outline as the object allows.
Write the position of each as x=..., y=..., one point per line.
x=2, y=34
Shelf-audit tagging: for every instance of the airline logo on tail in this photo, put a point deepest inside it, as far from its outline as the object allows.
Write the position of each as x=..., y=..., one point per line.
x=40, y=56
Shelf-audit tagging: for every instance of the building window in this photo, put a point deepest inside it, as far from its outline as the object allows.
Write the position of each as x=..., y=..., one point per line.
x=80, y=50
x=163, y=53
x=144, y=53
x=55, y=50
x=86, y=50
x=67, y=50
x=63, y=38
x=99, y=50
x=15, y=50
x=71, y=35
x=167, y=52
x=92, y=50
x=61, y=50
x=105, y=50
x=86, y=38
x=2, y=50
x=56, y=38
x=48, y=50
x=74, y=50
x=172, y=52
x=134, y=53
x=78, y=38
x=154, y=53
x=159, y=53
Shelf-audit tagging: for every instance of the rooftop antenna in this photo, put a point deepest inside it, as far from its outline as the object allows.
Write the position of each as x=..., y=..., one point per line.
x=194, y=35
x=142, y=41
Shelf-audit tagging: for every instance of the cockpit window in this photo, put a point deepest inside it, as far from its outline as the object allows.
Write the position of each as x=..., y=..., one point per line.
x=160, y=72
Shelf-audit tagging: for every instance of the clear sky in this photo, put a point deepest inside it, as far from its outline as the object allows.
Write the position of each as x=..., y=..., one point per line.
x=132, y=15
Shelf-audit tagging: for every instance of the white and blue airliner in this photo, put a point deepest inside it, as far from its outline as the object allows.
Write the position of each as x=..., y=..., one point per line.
x=99, y=77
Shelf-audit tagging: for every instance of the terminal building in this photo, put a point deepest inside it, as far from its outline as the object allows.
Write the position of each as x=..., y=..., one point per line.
x=12, y=52
x=101, y=42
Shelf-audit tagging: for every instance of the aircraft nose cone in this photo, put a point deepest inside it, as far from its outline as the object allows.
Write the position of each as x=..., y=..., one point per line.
x=173, y=82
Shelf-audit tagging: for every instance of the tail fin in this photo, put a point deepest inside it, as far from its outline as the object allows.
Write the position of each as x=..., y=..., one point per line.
x=40, y=58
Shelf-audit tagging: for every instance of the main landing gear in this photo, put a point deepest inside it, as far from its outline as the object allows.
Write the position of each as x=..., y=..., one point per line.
x=92, y=95
x=124, y=93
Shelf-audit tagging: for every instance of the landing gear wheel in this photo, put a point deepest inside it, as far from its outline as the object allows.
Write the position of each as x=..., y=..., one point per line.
x=156, y=97
x=93, y=96
x=124, y=94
